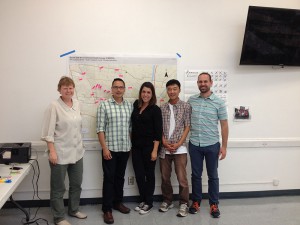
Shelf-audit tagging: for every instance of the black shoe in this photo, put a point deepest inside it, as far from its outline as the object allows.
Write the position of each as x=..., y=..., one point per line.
x=214, y=211
x=146, y=209
x=194, y=208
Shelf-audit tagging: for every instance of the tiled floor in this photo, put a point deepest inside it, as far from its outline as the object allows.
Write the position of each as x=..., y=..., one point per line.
x=251, y=211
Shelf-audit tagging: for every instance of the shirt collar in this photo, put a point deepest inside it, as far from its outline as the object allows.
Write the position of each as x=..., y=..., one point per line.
x=211, y=97
x=112, y=100
x=175, y=103
x=64, y=105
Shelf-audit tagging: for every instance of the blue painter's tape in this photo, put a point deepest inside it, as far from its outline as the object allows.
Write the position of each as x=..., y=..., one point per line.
x=67, y=53
x=178, y=55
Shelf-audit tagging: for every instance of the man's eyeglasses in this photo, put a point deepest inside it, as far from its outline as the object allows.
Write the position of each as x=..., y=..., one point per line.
x=118, y=87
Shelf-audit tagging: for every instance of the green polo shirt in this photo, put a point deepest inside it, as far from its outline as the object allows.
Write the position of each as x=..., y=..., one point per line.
x=206, y=113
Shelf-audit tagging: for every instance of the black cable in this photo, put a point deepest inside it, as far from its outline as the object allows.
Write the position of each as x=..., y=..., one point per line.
x=36, y=221
x=36, y=176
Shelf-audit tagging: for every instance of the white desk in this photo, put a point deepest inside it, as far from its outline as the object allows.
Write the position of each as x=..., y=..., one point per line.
x=7, y=189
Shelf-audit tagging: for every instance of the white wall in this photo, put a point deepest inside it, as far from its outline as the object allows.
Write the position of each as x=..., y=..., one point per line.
x=208, y=34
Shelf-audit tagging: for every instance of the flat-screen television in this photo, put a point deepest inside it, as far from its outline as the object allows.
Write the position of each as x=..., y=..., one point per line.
x=272, y=37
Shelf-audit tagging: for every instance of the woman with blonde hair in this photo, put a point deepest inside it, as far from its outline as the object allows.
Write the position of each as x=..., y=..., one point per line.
x=62, y=133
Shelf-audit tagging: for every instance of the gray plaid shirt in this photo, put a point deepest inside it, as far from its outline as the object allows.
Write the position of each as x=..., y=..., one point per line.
x=115, y=121
x=182, y=114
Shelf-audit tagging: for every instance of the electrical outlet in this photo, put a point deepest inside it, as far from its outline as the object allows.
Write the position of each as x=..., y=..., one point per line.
x=131, y=180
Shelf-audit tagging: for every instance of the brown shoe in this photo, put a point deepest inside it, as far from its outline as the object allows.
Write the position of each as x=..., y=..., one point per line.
x=122, y=208
x=108, y=217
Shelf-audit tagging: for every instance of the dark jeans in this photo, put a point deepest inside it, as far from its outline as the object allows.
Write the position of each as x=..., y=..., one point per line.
x=210, y=154
x=113, y=181
x=144, y=170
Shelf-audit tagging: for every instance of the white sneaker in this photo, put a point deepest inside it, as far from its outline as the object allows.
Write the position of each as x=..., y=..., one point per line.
x=79, y=215
x=164, y=207
x=146, y=209
x=139, y=207
x=63, y=222
x=183, y=210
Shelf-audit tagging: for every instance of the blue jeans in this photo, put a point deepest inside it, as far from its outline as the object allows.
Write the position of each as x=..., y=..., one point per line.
x=197, y=155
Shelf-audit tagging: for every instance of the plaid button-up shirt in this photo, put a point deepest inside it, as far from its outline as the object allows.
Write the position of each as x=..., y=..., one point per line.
x=182, y=114
x=115, y=121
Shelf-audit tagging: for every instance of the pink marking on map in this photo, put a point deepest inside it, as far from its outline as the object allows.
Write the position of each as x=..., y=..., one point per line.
x=92, y=94
x=121, y=75
x=83, y=73
x=100, y=100
x=117, y=69
x=130, y=88
x=80, y=78
x=101, y=67
x=161, y=100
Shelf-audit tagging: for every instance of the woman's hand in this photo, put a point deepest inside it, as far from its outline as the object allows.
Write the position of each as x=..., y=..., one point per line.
x=153, y=155
x=52, y=153
x=53, y=157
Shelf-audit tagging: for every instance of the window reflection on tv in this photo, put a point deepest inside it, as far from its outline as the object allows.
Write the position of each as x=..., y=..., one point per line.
x=272, y=37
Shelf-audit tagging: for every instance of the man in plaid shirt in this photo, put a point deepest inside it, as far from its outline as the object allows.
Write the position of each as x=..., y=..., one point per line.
x=113, y=129
x=176, y=126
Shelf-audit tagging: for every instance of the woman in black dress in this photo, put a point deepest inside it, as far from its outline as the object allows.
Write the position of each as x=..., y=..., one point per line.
x=146, y=137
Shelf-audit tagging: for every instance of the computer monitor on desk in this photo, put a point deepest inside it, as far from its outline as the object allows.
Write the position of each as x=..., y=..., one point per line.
x=15, y=152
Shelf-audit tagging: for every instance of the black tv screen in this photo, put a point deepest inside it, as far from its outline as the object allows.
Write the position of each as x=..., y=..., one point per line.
x=272, y=37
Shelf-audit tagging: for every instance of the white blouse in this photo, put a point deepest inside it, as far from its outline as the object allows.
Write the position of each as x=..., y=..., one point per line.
x=62, y=126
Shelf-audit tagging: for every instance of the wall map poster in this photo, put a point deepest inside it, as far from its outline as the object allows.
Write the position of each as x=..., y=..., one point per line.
x=93, y=76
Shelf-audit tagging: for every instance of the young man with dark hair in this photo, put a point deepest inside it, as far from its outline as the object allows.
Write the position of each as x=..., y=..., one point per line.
x=176, y=125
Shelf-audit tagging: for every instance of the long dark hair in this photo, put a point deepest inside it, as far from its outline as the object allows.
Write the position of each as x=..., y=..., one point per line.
x=153, y=98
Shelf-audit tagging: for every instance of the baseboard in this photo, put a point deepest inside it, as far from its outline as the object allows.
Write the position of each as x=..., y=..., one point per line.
x=158, y=198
